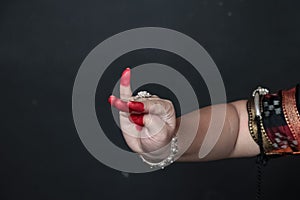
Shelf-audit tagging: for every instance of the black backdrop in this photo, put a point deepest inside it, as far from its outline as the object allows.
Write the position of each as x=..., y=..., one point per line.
x=43, y=43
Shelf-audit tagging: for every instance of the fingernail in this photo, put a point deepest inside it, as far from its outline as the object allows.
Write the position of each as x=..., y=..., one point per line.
x=110, y=99
x=125, y=70
x=125, y=79
x=137, y=119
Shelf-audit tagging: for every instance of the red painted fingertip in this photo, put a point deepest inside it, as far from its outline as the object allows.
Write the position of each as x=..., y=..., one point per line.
x=136, y=106
x=118, y=103
x=111, y=98
x=138, y=119
x=121, y=105
x=125, y=78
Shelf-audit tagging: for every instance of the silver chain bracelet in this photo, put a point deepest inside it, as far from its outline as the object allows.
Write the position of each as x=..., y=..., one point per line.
x=167, y=161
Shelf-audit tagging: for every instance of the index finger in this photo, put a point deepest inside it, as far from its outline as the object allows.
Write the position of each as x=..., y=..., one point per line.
x=125, y=89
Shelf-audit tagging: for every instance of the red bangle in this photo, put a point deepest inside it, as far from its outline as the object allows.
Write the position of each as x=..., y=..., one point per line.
x=291, y=114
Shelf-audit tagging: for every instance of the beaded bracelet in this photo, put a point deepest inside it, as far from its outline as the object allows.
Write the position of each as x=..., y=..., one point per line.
x=262, y=139
x=253, y=126
x=167, y=161
x=254, y=111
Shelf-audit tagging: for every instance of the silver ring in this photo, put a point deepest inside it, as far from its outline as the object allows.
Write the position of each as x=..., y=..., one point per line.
x=142, y=94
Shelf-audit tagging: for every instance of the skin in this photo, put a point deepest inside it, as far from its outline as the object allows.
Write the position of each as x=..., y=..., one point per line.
x=148, y=125
x=234, y=141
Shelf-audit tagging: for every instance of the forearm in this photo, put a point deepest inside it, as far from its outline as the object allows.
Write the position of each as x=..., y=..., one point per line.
x=234, y=140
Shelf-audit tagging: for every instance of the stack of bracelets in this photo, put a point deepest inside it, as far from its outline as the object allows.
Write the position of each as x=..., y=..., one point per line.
x=276, y=119
x=274, y=124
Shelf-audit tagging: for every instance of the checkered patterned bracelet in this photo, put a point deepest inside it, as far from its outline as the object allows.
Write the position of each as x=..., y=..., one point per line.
x=275, y=125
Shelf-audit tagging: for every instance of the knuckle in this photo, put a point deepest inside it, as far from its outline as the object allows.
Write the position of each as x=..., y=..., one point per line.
x=169, y=105
x=147, y=120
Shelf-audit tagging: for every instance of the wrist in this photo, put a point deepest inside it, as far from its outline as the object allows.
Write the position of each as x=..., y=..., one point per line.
x=158, y=155
x=161, y=158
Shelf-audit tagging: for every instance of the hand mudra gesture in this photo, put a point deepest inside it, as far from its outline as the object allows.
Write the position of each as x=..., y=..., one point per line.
x=147, y=124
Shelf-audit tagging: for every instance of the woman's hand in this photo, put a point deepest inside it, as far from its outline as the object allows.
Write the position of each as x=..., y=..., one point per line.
x=147, y=124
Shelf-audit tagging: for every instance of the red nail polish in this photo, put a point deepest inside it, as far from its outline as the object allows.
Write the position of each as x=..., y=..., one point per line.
x=125, y=78
x=136, y=106
x=137, y=119
x=118, y=103
x=110, y=99
x=121, y=105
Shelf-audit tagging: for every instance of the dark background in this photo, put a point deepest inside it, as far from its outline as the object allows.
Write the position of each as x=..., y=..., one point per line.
x=42, y=45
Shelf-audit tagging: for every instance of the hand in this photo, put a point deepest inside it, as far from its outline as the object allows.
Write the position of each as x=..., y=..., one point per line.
x=147, y=124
